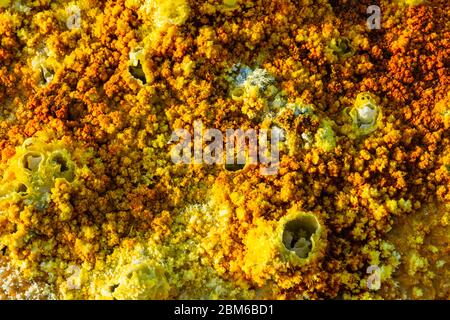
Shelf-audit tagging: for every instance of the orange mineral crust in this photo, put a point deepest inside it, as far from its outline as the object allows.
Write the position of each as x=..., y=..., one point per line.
x=93, y=205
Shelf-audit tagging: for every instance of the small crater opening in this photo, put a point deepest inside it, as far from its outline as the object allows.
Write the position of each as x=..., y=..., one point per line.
x=297, y=235
x=344, y=45
x=21, y=188
x=47, y=75
x=138, y=72
x=366, y=115
x=233, y=167
x=113, y=288
x=31, y=161
x=59, y=159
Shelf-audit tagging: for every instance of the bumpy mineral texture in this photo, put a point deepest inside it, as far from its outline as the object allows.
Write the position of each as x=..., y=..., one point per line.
x=92, y=205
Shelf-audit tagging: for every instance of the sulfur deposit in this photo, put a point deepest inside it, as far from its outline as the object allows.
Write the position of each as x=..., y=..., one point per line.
x=93, y=207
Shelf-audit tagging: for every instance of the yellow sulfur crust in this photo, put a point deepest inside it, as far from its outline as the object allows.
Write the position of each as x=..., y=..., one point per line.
x=93, y=207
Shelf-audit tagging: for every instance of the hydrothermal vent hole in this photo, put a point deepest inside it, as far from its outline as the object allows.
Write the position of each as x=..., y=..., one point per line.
x=31, y=161
x=297, y=235
x=138, y=72
x=59, y=160
x=233, y=167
